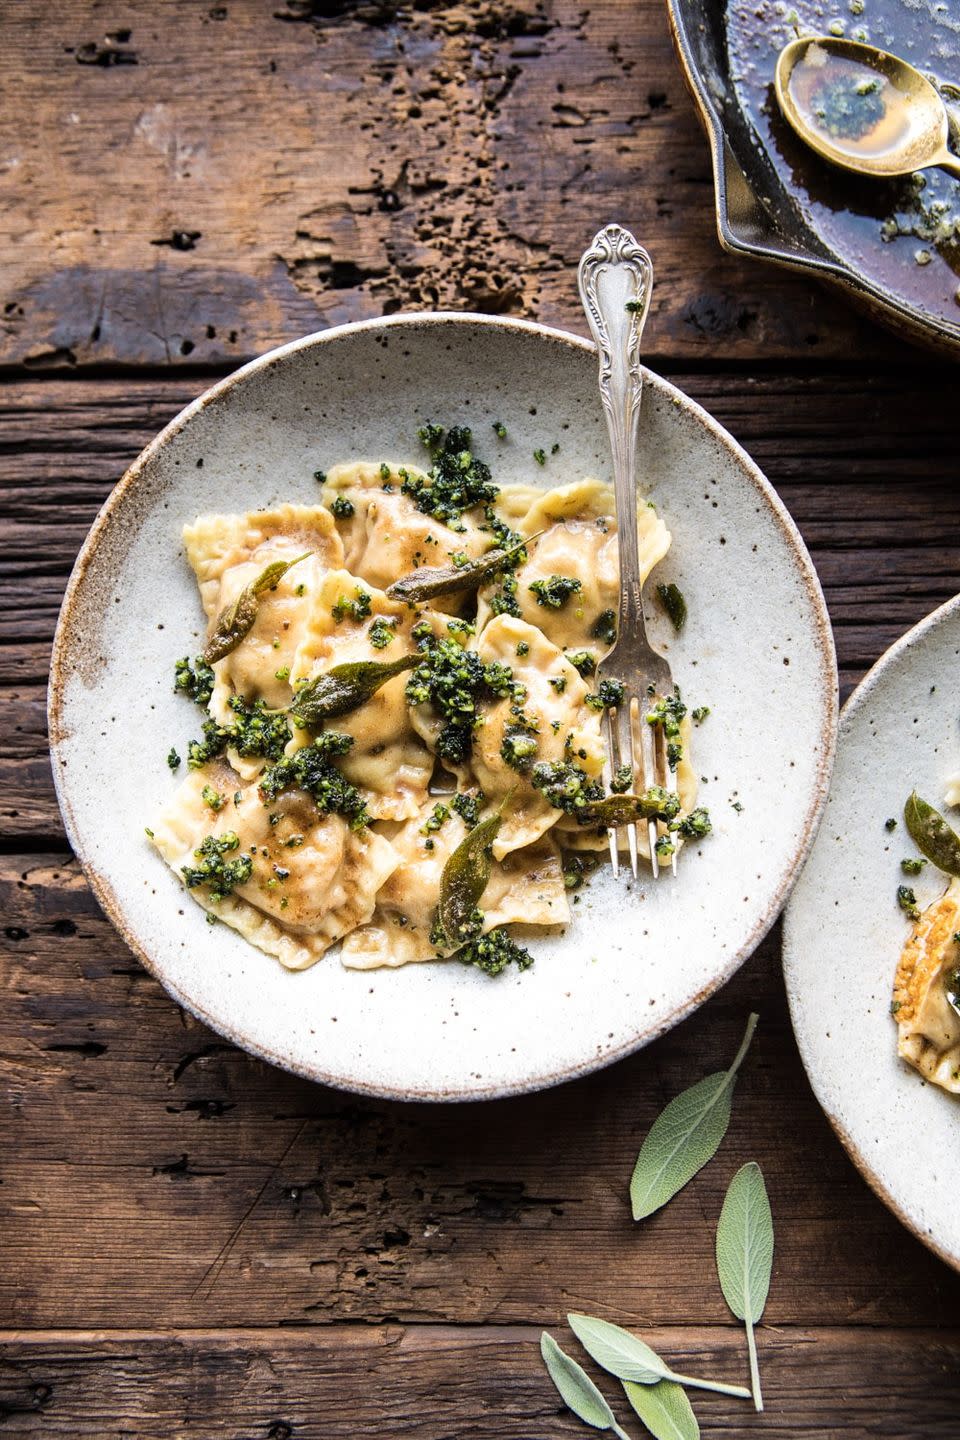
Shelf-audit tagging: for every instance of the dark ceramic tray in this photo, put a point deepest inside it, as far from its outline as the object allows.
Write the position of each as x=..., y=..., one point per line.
x=893, y=246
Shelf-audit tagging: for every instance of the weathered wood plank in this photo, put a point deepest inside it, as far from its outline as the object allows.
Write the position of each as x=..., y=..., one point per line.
x=220, y=179
x=435, y=1383
x=153, y=1175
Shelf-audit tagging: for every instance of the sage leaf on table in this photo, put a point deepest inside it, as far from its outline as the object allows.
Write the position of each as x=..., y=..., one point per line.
x=664, y=1409
x=577, y=1390
x=745, y=1255
x=685, y=1136
x=629, y=1358
x=236, y=620
x=932, y=835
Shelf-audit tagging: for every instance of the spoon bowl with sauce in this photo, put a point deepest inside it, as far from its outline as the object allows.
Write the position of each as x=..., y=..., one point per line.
x=863, y=108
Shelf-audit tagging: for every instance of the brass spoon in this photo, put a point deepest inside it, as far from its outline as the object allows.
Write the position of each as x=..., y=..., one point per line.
x=910, y=133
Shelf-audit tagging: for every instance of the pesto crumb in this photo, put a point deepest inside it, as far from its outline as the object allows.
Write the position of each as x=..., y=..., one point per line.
x=890, y=824
x=554, y=592
x=912, y=866
x=500, y=430
x=540, y=456
x=358, y=608
x=907, y=901
x=380, y=633
x=173, y=759
x=341, y=507
x=435, y=819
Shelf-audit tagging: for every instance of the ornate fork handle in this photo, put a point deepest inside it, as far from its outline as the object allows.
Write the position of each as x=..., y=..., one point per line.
x=615, y=279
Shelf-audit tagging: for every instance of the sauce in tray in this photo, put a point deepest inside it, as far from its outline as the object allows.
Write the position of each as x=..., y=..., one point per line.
x=903, y=235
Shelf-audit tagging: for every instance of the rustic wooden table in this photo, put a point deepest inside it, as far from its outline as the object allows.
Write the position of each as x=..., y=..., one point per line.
x=196, y=1245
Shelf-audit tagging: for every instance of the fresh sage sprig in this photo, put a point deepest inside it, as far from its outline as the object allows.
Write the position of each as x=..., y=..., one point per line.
x=345, y=687
x=236, y=620
x=664, y=1409
x=464, y=879
x=745, y=1256
x=577, y=1390
x=932, y=835
x=685, y=1136
x=432, y=580
x=624, y=1355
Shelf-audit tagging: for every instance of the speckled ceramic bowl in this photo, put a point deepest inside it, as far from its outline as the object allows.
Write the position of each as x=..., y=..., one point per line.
x=844, y=932
x=757, y=649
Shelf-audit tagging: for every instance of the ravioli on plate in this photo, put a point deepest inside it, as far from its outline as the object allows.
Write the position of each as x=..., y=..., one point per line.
x=401, y=744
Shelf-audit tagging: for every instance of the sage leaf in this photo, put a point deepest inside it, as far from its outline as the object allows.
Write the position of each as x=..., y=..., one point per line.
x=932, y=835
x=432, y=580
x=577, y=1390
x=629, y=1358
x=653, y=804
x=745, y=1255
x=345, y=687
x=664, y=1409
x=685, y=1136
x=464, y=879
x=236, y=620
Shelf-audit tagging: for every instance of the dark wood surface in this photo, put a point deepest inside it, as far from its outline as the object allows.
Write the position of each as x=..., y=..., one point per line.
x=197, y=1245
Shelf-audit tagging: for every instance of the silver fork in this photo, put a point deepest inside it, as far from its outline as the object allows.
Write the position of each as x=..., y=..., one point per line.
x=615, y=279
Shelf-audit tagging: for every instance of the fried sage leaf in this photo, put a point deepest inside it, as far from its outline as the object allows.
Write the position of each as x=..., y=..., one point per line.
x=464, y=879
x=432, y=580
x=345, y=687
x=236, y=620
x=932, y=835
x=653, y=804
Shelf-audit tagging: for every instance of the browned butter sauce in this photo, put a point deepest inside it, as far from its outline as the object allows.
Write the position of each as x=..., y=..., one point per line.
x=860, y=111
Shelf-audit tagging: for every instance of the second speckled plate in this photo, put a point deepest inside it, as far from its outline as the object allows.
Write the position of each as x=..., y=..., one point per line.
x=844, y=932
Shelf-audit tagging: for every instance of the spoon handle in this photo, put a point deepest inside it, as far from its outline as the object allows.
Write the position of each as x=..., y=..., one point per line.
x=616, y=277
x=946, y=160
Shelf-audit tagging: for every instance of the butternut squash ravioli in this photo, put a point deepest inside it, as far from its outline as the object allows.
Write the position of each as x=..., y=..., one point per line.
x=400, y=716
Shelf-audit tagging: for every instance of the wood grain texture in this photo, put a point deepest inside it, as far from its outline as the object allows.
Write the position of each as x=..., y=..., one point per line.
x=206, y=182
x=155, y=1176
x=437, y=1383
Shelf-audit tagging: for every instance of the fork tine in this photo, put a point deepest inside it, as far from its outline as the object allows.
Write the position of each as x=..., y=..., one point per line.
x=629, y=721
x=644, y=746
x=670, y=783
x=613, y=753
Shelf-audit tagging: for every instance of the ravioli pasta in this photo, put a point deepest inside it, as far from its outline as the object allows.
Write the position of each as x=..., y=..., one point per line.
x=351, y=743
x=928, y=1025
